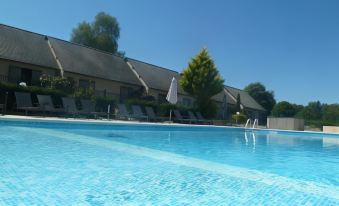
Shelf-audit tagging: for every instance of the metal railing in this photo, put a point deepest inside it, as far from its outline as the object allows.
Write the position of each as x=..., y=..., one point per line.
x=249, y=122
x=255, y=123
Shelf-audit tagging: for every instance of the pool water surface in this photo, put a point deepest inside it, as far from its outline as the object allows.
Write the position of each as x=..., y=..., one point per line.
x=55, y=163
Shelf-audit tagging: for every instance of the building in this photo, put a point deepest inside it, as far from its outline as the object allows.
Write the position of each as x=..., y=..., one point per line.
x=25, y=56
x=247, y=103
x=158, y=80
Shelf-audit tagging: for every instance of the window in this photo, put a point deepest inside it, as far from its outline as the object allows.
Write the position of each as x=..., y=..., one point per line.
x=26, y=76
x=29, y=76
x=125, y=93
x=83, y=83
x=35, y=79
x=14, y=74
x=86, y=84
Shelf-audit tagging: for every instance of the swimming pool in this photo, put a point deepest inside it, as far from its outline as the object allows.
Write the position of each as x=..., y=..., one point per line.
x=65, y=163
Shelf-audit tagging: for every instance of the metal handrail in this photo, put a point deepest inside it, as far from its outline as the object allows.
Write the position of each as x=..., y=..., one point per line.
x=255, y=123
x=248, y=123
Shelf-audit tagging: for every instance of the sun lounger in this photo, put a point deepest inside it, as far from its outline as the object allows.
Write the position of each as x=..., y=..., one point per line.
x=193, y=117
x=70, y=106
x=151, y=115
x=138, y=113
x=122, y=112
x=88, y=107
x=179, y=117
x=46, y=104
x=24, y=102
x=201, y=118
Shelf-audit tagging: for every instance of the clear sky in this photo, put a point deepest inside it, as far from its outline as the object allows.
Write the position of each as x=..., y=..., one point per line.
x=291, y=46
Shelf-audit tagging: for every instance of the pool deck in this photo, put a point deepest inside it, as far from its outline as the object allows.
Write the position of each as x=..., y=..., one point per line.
x=97, y=121
x=115, y=122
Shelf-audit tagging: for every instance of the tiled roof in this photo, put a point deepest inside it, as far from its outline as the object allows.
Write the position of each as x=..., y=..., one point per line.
x=23, y=46
x=91, y=62
x=246, y=100
x=221, y=95
x=156, y=77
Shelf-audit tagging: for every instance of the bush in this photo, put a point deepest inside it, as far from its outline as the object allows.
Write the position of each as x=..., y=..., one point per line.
x=83, y=93
x=320, y=123
x=239, y=118
x=56, y=82
x=11, y=88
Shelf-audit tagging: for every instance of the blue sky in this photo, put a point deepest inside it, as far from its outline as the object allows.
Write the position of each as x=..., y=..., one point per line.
x=291, y=46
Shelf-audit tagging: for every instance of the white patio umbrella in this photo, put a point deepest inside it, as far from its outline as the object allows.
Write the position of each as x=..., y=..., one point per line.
x=172, y=96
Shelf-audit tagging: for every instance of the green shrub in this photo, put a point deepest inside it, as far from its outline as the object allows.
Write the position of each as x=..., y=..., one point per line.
x=320, y=123
x=58, y=83
x=11, y=88
x=83, y=93
x=239, y=118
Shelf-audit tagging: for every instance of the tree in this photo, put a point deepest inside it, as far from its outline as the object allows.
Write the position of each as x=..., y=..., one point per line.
x=238, y=103
x=102, y=34
x=313, y=111
x=201, y=79
x=261, y=95
x=330, y=112
x=283, y=109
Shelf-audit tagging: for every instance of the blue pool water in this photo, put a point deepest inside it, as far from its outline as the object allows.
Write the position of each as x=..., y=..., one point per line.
x=126, y=164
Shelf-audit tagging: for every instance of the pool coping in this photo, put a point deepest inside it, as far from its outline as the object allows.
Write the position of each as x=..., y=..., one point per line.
x=122, y=122
x=99, y=121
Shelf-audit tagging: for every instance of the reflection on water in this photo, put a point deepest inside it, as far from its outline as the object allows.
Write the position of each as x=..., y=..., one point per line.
x=246, y=139
x=251, y=134
x=169, y=137
x=279, y=139
x=330, y=142
x=302, y=140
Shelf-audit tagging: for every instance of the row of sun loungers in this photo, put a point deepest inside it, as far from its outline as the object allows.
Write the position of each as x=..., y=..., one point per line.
x=150, y=115
x=45, y=105
x=24, y=103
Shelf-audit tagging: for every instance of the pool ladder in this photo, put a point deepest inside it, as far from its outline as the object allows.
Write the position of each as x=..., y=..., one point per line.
x=251, y=130
x=249, y=122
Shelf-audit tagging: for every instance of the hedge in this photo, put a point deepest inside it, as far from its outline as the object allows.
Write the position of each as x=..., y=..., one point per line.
x=11, y=88
x=320, y=123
